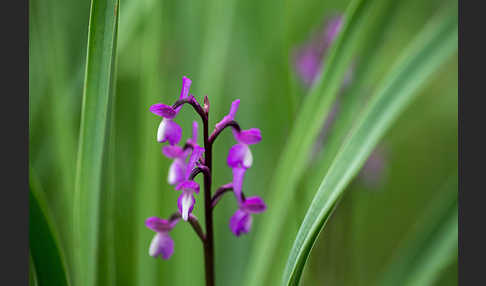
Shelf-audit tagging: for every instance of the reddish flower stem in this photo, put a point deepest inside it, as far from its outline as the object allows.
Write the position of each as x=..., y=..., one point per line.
x=209, y=241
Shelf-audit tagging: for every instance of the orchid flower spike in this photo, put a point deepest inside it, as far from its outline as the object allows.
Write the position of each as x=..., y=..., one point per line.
x=241, y=221
x=162, y=244
x=188, y=161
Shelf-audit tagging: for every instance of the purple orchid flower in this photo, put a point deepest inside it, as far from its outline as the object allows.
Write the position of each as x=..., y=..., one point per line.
x=168, y=130
x=162, y=244
x=308, y=61
x=240, y=159
x=186, y=200
x=239, y=156
x=241, y=221
x=180, y=171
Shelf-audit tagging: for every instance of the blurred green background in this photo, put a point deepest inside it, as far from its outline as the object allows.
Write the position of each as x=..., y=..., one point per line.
x=233, y=49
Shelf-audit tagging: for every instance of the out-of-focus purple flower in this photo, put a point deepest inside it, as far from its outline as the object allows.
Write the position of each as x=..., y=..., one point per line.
x=241, y=220
x=162, y=244
x=168, y=130
x=309, y=57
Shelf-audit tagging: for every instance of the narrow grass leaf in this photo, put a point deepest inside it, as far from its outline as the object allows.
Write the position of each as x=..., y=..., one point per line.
x=425, y=55
x=431, y=245
x=294, y=157
x=94, y=131
x=48, y=264
x=353, y=101
x=32, y=272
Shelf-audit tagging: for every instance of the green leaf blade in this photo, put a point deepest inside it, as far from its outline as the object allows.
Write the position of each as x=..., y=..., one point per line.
x=431, y=244
x=94, y=131
x=432, y=47
x=47, y=259
x=311, y=117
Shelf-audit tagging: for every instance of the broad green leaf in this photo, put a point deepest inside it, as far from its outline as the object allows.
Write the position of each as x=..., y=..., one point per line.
x=431, y=245
x=48, y=261
x=94, y=131
x=425, y=55
x=297, y=150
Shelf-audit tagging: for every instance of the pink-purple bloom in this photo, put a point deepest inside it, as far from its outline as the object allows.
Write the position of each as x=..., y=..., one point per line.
x=180, y=171
x=162, y=244
x=168, y=130
x=186, y=200
x=239, y=156
x=240, y=159
x=309, y=57
x=241, y=221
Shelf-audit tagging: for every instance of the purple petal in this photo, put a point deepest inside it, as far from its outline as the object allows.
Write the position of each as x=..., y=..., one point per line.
x=158, y=225
x=163, y=245
x=238, y=175
x=234, y=108
x=250, y=136
x=254, y=205
x=185, y=203
x=230, y=116
x=163, y=110
x=240, y=222
x=173, y=151
x=238, y=155
x=188, y=185
x=177, y=172
x=186, y=85
x=169, y=131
